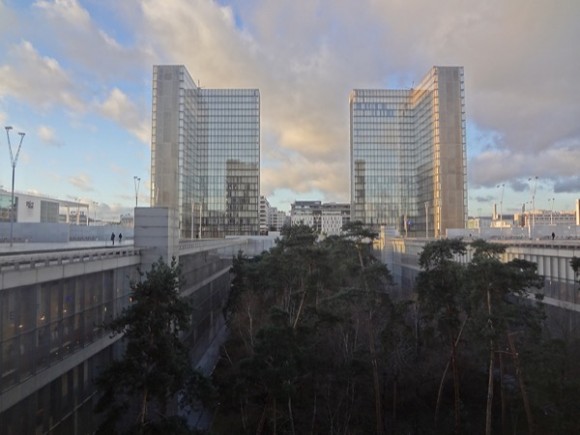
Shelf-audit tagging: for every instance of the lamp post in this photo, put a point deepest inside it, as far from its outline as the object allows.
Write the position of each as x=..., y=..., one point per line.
x=78, y=201
x=426, y=220
x=535, y=178
x=136, y=181
x=95, y=204
x=501, y=203
x=551, y=211
x=13, y=161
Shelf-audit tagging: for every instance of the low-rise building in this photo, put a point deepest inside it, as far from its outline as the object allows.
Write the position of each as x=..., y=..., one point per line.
x=327, y=218
x=31, y=208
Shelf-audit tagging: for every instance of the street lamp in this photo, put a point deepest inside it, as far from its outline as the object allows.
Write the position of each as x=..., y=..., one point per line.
x=95, y=204
x=426, y=220
x=136, y=180
x=501, y=203
x=13, y=161
x=535, y=178
x=551, y=211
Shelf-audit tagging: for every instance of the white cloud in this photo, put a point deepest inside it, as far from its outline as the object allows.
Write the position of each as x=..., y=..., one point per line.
x=119, y=108
x=520, y=58
x=48, y=136
x=86, y=44
x=38, y=80
x=68, y=10
x=82, y=181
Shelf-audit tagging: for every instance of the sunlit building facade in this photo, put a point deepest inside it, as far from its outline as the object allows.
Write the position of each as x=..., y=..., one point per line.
x=205, y=154
x=408, y=159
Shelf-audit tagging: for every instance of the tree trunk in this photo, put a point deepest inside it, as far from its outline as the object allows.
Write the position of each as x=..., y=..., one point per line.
x=523, y=389
x=490, y=374
x=274, y=416
x=314, y=413
x=489, y=392
x=456, y=401
x=302, y=299
x=440, y=391
x=395, y=402
x=291, y=416
x=374, y=363
x=502, y=395
x=143, y=414
x=262, y=420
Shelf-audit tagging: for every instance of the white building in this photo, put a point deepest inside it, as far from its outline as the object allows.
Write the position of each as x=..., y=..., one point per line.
x=334, y=216
x=546, y=217
x=36, y=208
x=276, y=219
x=265, y=211
x=307, y=213
x=327, y=218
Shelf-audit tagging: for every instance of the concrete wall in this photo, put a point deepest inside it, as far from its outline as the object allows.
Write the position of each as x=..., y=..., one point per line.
x=538, y=232
x=561, y=295
x=37, y=232
x=157, y=232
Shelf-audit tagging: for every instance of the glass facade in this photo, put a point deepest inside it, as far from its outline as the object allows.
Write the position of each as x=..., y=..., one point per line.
x=44, y=327
x=205, y=154
x=44, y=323
x=53, y=346
x=408, y=155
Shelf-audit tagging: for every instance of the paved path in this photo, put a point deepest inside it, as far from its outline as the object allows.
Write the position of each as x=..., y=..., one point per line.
x=21, y=248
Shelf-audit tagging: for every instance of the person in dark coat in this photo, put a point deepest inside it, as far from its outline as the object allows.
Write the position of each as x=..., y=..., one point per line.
x=113, y=238
x=120, y=238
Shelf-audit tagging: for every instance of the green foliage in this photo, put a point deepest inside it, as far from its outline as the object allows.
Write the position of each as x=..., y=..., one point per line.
x=440, y=253
x=318, y=346
x=441, y=285
x=302, y=316
x=138, y=389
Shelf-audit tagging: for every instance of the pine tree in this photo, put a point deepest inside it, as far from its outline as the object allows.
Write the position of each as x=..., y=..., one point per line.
x=139, y=391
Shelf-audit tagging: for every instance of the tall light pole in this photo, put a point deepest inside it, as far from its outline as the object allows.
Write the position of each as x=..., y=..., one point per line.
x=426, y=220
x=136, y=180
x=95, y=212
x=551, y=211
x=535, y=178
x=501, y=203
x=13, y=161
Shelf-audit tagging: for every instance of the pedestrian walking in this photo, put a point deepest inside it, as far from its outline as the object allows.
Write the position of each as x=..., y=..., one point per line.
x=120, y=238
x=113, y=238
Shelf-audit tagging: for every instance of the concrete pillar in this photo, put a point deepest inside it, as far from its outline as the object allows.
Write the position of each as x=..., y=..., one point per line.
x=157, y=232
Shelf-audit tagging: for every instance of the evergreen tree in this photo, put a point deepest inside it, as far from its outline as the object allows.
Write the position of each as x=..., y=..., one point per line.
x=500, y=306
x=139, y=391
x=441, y=296
x=306, y=319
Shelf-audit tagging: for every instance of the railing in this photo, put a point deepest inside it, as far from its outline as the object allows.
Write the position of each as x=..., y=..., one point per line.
x=25, y=261
x=189, y=246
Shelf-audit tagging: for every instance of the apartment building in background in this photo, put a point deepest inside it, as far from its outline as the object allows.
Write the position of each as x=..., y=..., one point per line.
x=265, y=211
x=408, y=157
x=325, y=218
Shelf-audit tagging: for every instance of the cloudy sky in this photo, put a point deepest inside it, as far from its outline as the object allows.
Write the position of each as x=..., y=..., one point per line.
x=75, y=75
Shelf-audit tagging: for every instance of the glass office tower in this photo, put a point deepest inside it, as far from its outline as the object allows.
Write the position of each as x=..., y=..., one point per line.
x=205, y=154
x=408, y=163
